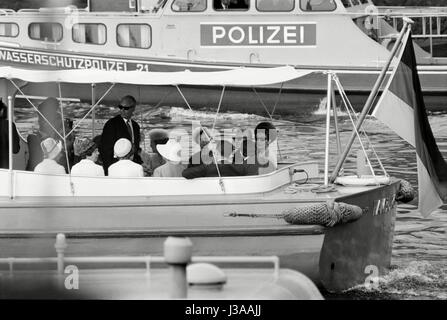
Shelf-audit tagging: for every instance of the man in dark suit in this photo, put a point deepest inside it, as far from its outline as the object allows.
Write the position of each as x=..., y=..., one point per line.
x=121, y=126
x=224, y=158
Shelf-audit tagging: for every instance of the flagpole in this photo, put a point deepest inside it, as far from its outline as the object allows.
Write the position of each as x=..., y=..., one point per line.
x=369, y=102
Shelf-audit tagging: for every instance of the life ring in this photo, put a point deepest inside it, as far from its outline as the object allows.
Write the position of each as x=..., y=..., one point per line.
x=366, y=180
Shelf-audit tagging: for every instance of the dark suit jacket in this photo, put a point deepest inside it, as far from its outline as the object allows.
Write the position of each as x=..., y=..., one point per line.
x=4, y=142
x=113, y=130
x=226, y=170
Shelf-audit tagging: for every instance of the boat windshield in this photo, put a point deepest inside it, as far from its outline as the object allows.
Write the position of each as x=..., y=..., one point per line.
x=318, y=5
x=231, y=4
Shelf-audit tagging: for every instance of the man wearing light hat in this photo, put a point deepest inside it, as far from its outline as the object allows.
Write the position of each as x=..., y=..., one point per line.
x=171, y=152
x=51, y=152
x=87, y=150
x=124, y=167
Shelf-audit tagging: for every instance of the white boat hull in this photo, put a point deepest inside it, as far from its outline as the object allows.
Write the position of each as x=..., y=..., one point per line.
x=218, y=224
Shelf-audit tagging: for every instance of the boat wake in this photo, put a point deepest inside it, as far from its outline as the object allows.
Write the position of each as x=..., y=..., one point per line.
x=321, y=110
x=416, y=280
x=181, y=114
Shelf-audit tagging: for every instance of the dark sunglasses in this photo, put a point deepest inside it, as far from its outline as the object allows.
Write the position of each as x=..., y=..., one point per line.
x=125, y=108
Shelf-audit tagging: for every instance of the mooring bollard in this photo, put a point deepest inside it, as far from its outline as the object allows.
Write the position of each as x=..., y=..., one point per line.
x=60, y=245
x=178, y=252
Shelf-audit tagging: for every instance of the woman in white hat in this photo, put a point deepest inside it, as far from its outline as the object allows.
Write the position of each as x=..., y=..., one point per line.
x=124, y=167
x=51, y=152
x=171, y=152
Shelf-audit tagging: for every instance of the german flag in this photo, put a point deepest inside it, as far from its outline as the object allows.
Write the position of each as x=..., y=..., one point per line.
x=401, y=107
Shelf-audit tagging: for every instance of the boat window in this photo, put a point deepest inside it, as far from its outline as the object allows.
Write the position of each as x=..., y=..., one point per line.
x=355, y=2
x=364, y=1
x=275, y=5
x=231, y=5
x=9, y=30
x=318, y=5
x=134, y=36
x=90, y=33
x=189, y=5
x=346, y=3
x=45, y=31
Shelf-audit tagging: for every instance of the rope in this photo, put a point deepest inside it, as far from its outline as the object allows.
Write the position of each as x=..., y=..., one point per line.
x=143, y=128
x=268, y=113
x=342, y=92
x=91, y=110
x=347, y=104
x=221, y=183
x=278, y=99
x=65, y=140
x=218, y=108
x=357, y=133
x=43, y=117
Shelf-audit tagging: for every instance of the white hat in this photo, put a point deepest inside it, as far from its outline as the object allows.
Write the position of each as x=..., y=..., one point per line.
x=122, y=148
x=51, y=148
x=170, y=150
x=196, y=134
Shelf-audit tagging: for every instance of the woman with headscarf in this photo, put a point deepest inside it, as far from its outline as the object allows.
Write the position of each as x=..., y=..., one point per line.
x=87, y=150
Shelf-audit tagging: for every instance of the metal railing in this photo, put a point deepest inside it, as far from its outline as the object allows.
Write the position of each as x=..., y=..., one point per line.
x=61, y=259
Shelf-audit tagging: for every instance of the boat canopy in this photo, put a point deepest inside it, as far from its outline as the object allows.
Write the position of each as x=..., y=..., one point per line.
x=233, y=77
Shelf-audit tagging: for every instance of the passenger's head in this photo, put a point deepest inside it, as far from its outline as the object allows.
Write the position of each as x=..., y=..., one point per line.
x=201, y=136
x=127, y=106
x=158, y=136
x=122, y=149
x=97, y=140
x=265, y=133
x=225, y=149
x=51, y=149
x=171, y=151
x=3, y=110
x=86, y=148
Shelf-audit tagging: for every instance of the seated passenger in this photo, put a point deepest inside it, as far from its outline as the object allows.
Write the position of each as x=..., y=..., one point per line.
x=154, y=159
x=124, y=167
x=245, y=156
x=265, y=139
x=51, y=153
x=97, y=141
x=224, y=159
x=171, y=153
x=87, y=151
x=50, y=126
x=201, y=136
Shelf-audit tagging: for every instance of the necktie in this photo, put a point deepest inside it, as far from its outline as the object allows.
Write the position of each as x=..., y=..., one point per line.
x=129, y=128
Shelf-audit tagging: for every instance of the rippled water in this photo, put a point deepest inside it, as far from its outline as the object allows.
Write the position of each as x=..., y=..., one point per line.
x=419, y=260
